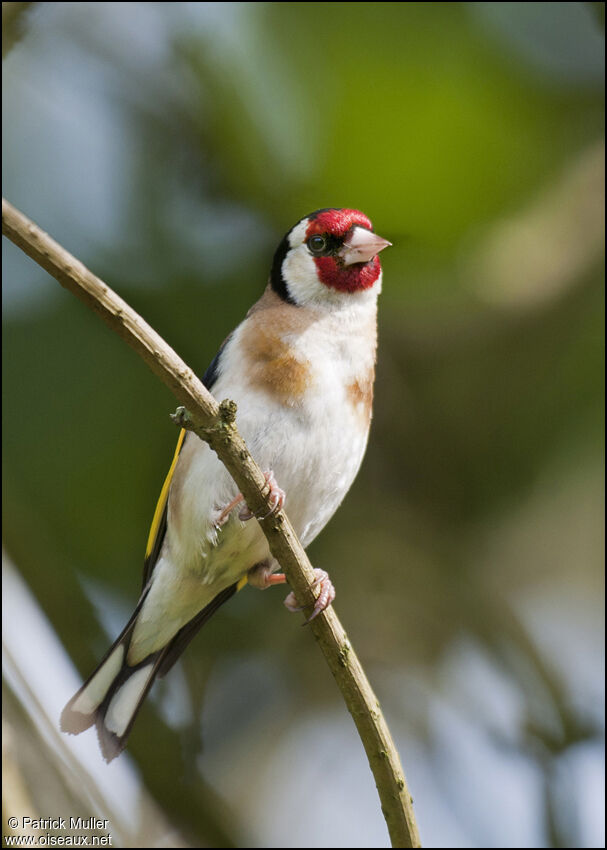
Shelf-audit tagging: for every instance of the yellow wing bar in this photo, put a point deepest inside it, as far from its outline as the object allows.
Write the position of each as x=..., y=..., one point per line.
x=162, y=501
x=159, y=513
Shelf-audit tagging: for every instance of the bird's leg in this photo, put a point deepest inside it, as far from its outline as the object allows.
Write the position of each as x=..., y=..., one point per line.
x=277, y=500
x=262, y=575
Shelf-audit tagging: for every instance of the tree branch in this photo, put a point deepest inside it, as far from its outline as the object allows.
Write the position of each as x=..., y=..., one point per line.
x=215, y=423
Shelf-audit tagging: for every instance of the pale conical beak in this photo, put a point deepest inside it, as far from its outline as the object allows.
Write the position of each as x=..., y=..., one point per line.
x=361, y=246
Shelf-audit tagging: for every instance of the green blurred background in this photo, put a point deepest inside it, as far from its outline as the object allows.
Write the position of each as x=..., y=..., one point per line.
x=170, y=146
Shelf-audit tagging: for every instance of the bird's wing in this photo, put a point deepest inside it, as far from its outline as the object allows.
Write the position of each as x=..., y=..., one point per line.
x=159, y=520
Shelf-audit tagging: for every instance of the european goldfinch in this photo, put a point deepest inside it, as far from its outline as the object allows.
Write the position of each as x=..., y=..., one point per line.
x=301, y=368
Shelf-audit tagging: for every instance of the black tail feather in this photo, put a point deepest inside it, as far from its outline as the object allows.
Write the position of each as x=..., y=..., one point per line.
x=112, y=704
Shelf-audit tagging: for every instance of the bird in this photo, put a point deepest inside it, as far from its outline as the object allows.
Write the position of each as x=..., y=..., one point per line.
x=301, y=369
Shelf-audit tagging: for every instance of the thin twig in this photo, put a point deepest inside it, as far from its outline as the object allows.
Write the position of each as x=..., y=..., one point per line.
x=216, y=424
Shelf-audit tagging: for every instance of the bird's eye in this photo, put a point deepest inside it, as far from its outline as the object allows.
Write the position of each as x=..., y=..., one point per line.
x=317, y=244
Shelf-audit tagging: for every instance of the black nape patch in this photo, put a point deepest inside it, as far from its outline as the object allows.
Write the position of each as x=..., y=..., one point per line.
x=277, y=281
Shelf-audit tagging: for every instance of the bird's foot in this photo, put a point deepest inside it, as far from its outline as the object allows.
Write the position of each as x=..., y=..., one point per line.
x=277, y=499
x=224, y=514
x=325, y=597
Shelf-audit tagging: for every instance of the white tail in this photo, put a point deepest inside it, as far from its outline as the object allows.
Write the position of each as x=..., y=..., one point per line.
x=111, y=697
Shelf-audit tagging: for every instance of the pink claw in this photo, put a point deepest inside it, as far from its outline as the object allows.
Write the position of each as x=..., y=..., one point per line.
x=225, y=513
x=323, y=600
x=291, y=603
x=277, y=499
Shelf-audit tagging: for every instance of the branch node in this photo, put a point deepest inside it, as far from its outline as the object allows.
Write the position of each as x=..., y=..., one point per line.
x=227, y=411
x=343, y=654
x=181, y=417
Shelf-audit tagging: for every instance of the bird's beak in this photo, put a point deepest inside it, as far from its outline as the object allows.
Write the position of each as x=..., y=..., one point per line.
x=361, y=246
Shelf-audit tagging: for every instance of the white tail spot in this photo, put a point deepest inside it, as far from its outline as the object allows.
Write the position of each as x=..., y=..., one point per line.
x=97, y=688
x=126, y=699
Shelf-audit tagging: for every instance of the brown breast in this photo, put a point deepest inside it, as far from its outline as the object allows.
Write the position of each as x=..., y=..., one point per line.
x=270, y=360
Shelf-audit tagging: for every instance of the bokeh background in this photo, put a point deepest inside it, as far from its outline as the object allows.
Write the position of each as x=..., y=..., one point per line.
x=169, y=146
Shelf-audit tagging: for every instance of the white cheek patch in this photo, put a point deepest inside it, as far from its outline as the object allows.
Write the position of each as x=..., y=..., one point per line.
x=299, y=269
x=300, y=272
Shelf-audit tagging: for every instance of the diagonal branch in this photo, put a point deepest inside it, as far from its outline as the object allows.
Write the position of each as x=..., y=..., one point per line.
x=215, y=423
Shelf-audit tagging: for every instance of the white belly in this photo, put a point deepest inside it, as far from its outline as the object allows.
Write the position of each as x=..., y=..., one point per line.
x=315, y=460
